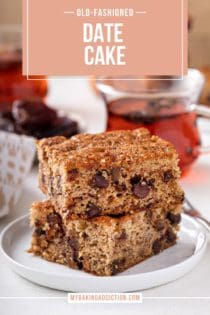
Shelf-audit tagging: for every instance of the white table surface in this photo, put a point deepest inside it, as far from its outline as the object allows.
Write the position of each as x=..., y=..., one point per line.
x=19, y=296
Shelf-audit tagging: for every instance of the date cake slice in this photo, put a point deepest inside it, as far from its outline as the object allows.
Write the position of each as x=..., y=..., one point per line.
x=112, y=173
x=104, y=245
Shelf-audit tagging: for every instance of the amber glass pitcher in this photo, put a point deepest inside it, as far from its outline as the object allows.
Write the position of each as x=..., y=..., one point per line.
x=167, y=107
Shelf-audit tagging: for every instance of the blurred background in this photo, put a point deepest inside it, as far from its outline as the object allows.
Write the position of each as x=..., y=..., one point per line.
x=10, y=12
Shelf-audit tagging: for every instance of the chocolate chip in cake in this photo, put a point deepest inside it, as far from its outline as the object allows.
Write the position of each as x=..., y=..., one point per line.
x=54, y=218
x=170, y=236
x=39, y=231
x=135, y=180
x=157, y=246
x=85, y=235
x=80, y=265
x=93, y=210
x=174, y=218
x=122, y=236
x=167, y=176
x=121, y=187
x=141, y=190
x=149, y=206
x=73, y=243
x=51, y=187
x=72, y=174
x=99, y=181
x=159, y=225
x=117, y=265
x=115, y=174
x=150, y=182
x=37, y=223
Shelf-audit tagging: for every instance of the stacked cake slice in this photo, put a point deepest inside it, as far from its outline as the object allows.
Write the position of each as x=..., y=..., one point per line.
x=113, y=200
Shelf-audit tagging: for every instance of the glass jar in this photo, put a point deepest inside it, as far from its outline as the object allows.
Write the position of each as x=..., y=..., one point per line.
x=14, y=85
x=167, y=108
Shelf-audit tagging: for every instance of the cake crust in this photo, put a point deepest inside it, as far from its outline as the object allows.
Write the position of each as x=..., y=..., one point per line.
x=108, y=173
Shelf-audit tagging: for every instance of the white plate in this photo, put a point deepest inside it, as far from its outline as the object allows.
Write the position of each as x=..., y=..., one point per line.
x=168, y=266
